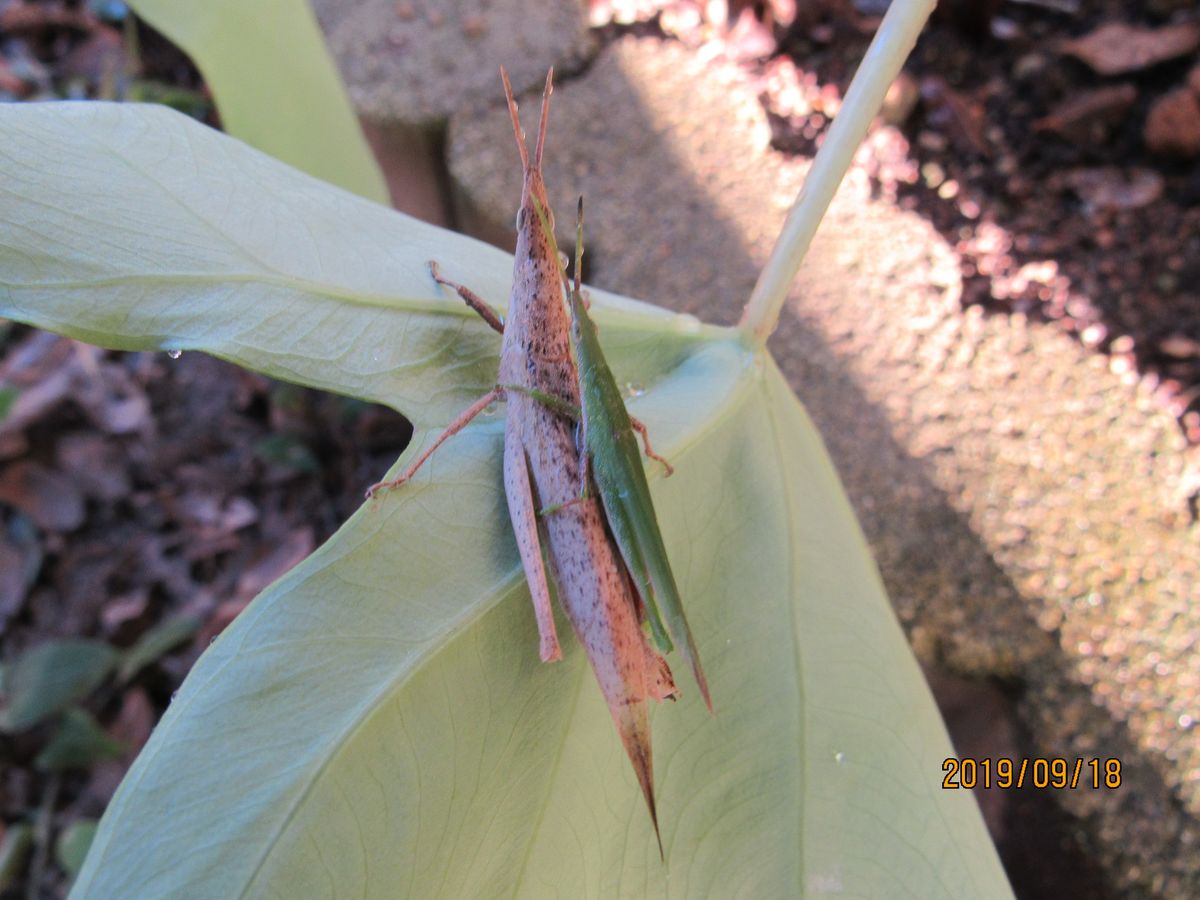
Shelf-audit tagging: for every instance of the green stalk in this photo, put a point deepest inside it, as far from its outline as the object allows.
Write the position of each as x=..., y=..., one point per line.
x=895, y=39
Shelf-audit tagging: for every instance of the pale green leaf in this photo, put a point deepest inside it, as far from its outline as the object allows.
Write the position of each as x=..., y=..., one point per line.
x=8, y=396
x=14, y=850
x=49, y=677
x=275, y=84
x=79, y=743
x=73, y=845
x=288, y=451
x=377, y=723
x=156, y=643
x=136, y=228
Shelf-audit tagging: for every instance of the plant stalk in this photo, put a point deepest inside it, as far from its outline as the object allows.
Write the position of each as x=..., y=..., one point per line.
x=881, y=64
x=42, y=829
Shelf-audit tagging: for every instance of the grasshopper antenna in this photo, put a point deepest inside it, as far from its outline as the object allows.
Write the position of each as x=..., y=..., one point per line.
x=541, y=139
x=579, y=245
x=516, y=122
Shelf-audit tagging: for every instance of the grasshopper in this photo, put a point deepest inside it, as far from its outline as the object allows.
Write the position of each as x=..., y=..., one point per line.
x=610, y=451
x=608, y=576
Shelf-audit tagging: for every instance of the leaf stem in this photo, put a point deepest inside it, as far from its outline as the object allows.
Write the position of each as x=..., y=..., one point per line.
x=42, y=829
x=881, y=64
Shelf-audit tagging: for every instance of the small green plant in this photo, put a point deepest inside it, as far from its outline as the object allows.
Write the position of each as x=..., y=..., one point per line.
x=48, y=686
x=377, y=722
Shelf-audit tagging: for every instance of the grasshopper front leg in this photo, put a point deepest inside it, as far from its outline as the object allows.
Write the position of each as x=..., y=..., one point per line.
x=493, y=318
x=471, y=298
x=454, y=428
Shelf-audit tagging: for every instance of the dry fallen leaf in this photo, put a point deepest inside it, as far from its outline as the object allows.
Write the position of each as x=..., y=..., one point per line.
x=32, y=19
x=98, y=466
x=19, y=564
x=49, y=498
x=1116, y=48
x=1173, y=125
x=98, y=58
x=132, y=728
x=1089, y=117
x=113, y=400
x=124, y=608
x=214, y=513
x=1179, y=345
x=1109, y=187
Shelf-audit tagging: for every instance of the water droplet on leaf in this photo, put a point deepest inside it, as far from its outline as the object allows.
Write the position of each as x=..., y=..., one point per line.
x=686, y=323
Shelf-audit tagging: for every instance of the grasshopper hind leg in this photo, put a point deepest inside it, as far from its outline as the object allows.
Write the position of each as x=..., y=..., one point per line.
x=640, y=427
x=522, y=510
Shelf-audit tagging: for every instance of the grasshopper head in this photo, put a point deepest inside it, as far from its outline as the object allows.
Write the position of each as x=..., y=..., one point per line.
x=535, y=190
x=580, y=320
x=579, y=300
x=578, y=310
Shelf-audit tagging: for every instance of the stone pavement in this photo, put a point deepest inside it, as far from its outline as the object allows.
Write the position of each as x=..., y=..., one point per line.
x=413, y=62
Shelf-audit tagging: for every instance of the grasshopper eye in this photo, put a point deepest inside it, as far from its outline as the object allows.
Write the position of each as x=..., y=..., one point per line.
x=521, y=213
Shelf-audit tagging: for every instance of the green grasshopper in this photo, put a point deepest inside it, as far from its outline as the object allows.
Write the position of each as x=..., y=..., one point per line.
x=609, y=453
x=563, y=431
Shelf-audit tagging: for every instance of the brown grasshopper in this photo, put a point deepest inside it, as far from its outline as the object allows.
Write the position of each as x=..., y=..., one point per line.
x=544, y=466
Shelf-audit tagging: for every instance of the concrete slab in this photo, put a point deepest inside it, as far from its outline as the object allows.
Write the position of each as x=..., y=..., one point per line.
x=412, y=62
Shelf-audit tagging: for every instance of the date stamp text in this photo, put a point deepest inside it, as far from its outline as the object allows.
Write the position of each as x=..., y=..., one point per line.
x=1058, y=773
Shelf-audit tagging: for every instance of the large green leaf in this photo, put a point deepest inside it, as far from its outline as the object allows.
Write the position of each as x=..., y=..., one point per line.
x=275, y=84
x=377, y=722
x=220, y=248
